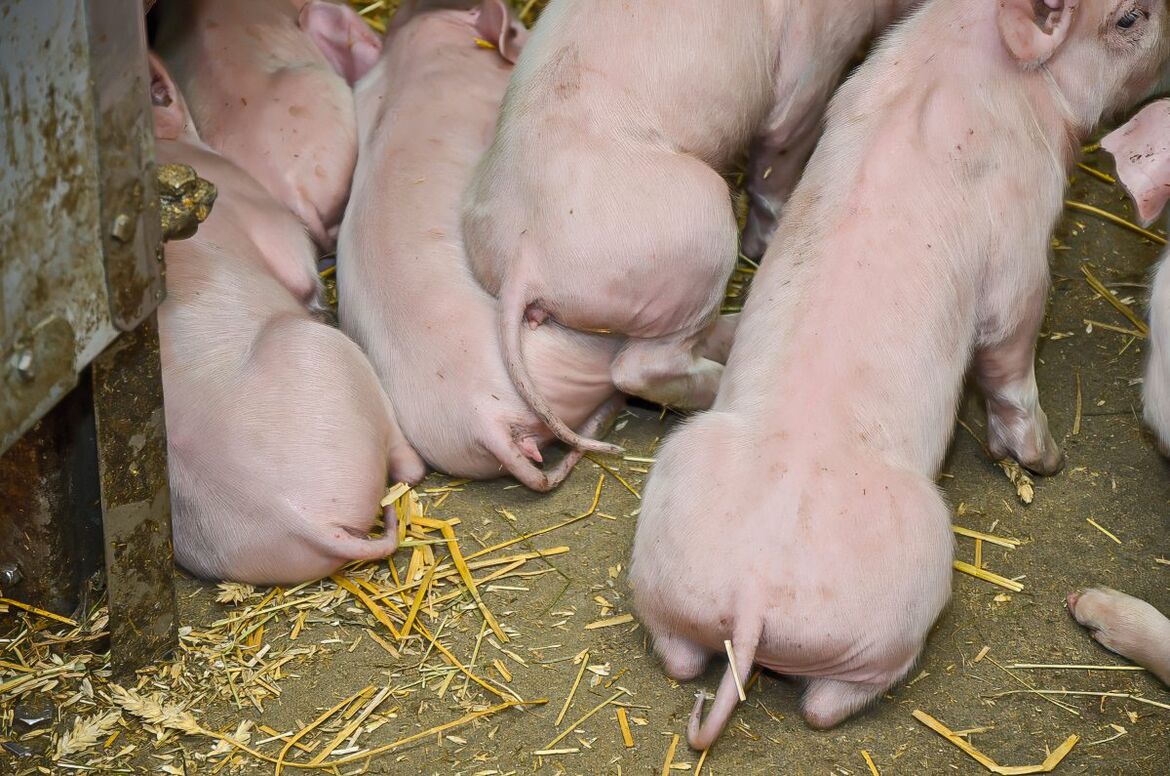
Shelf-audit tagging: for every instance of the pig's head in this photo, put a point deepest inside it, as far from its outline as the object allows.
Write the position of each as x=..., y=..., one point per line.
x=1141, y=149
x=1101, y=54
x=172, y=120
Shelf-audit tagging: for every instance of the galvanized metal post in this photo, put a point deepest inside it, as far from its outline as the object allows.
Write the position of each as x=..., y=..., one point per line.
x=79, y=219
x=135, y=498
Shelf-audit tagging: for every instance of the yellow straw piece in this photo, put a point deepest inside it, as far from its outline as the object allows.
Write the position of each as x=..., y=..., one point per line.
x=988, y=576
x=1099, y=527
x=1047, y=766
x=39, y=612
x=1001, y=541
x=624, y=724
x=670, y=755
x=573, y=689
x=464, y=572
x=734, y=670
x=1081, y=206
x=610, y=622
x=1112, y=299
x=379, y=614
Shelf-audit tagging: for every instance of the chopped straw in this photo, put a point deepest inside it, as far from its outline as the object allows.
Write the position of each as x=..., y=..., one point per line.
x=624, y=725
x=670, y=755
x=1049, y=764
x=1072, y=667
x=616, y=476
x=461, y=564
x=988, y=576
x=1125, y=695
x=870, y=764
x=1112, y=299
x=610, y=622
x=576, y=518
x=702, y=759
x=39, y=612
x=1100, y=528
x=586, y=716
x=1002, y=541
x=1076, y=429
x=376, y=610
x=573, y=690
x=1101, y=176
x=734, y=670
x=431, y=732
x=1096, y=211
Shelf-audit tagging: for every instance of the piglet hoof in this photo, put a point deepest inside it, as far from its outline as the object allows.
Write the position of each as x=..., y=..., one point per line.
x=1046, y=461
x=1126, y=625
x=1050, y=461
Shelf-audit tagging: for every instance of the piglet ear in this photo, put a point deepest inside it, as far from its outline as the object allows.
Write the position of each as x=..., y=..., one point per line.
x=1032, y=30
x=497, y=24
x=170, y=112
x=346, y=42
x=1141, y=149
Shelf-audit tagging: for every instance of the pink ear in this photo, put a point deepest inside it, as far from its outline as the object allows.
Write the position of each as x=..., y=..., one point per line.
x=1030, y=41
x=1141, y=149
x=170, y=112
x=497, y=24
x=346, y=42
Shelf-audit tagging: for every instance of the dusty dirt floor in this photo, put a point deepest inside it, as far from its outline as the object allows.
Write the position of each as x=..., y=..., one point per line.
x=1113, y=476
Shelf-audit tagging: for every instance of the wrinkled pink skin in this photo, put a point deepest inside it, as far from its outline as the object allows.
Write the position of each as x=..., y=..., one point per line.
x=425, y=115
x=279, y=435
x=916, y=242
x=816, y=47
x=263, y=93
x=1125, y=625
x=1141, y=149
x=600, y=204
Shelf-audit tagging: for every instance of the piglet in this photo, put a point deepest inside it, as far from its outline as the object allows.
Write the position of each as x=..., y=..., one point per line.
x=268, y=85
x=799, y=518
x=1141, y=149
x=601, y=205
x=425, y=115
x=279, y=435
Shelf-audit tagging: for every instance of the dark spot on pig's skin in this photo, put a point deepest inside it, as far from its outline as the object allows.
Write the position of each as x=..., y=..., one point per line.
x=296, y=111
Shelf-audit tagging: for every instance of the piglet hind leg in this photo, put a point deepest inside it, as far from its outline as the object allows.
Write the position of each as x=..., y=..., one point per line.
x=682, y=659
x=719, y=337
x=1126, y=625
x=773, y=172
x=1016, y=424
x=668, y=370
x=829, y=702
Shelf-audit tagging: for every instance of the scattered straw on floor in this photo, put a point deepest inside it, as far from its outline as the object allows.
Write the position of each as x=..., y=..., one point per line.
x=1047, y=766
